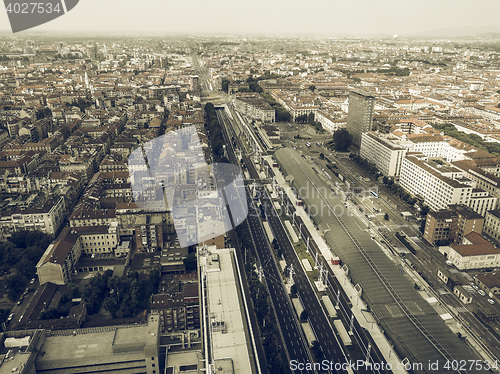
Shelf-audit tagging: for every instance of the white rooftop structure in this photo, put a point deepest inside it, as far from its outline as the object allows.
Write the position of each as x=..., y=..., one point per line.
x=229, y=347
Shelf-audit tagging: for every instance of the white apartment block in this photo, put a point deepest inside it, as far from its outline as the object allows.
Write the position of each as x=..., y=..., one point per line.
x=328, y=122
x=437, y=146
x=486, y=180
x=254, y=106
x=385, y=154
x=47, y=218
x=98, y=239
x=438, y=185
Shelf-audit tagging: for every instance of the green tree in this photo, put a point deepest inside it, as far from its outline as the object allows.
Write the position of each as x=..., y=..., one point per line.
x=111, y=305
x=225, y=85
x=282, y=114
x=342, y=140
x=312, y=87
x=301, y=119
x=386, y=217
x=43, y=113
x=310, y=118
x=74, y=292
x=26, y=238
x=15, y=284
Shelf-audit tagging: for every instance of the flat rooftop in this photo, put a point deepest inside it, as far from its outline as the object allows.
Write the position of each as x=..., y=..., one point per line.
x=228, y=338
x=94, y=346
x=15, y=363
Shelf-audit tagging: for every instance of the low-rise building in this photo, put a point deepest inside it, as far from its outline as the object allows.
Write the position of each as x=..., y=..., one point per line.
x=489, y=283
x=463, y=295
x=108, y=350
x=475, y=252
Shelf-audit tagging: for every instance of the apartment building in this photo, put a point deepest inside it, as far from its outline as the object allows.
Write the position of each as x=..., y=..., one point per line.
x=47, y=217
x=60, y=259
x=482, y=202
x=436, y=184
x=329, y=122
x=475, y=252
x=439, y=146
x=179, y=311
x=98, y=239
x=486, y=180
x=99, y=217
x=254, y=106
x=360, y=114
x=492, y=224
x=452, y=224
x=384, y=153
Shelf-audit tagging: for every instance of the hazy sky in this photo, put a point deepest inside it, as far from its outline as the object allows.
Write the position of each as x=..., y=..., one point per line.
x=333, y=17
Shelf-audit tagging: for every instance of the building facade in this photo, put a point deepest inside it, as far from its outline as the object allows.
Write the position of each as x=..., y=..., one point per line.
x=254, y=106
x=475, y=252
x=46, y=218
x=438, y=185
x=451, y=225
x=492, y=224
x=360, y=114
x=386, y=155
x=482, y=202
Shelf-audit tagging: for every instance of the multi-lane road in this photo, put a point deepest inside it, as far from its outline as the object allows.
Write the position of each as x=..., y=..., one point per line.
x=293, y=338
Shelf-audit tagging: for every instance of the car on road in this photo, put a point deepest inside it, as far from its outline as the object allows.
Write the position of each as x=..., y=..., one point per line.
x=491, y=301
x=10, y=317
x=32, y=280
x=474, y=286
x=481, y=292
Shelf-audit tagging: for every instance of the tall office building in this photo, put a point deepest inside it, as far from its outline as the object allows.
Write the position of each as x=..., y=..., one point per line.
x=360, y=114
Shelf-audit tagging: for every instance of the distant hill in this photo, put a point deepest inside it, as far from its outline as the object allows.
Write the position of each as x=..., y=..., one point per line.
x=486, y=32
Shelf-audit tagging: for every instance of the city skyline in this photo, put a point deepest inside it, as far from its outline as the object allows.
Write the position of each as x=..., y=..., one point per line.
x=445, y=18
x=356, y=229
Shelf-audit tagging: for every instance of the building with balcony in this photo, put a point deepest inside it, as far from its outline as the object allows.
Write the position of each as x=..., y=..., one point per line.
x=438, y=185
x=254, y=106
x=47, y=217
x=451, y=225
x=385, y=154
